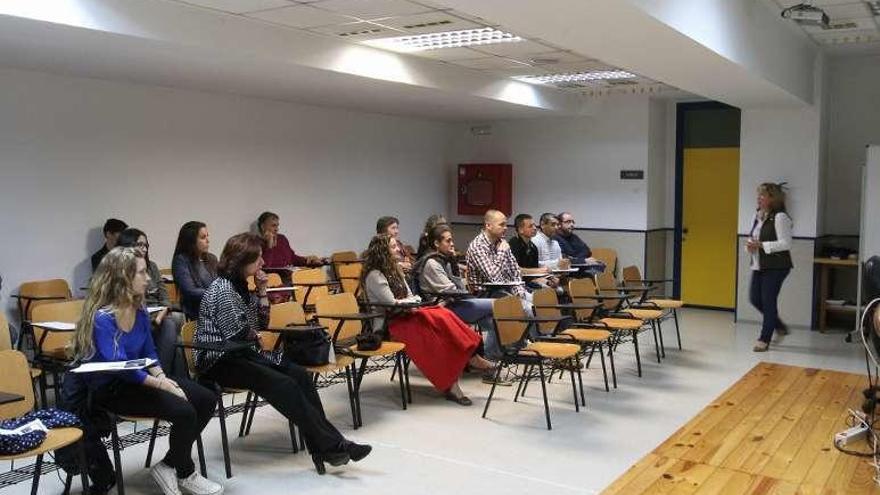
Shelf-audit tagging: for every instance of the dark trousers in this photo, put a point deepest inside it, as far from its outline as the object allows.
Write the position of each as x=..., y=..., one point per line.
x=187, y=417
x=287, y=387
x=165, y=338
x=764, y=295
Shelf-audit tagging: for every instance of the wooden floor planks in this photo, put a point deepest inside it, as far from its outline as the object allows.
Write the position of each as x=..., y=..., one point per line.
x=768, y=434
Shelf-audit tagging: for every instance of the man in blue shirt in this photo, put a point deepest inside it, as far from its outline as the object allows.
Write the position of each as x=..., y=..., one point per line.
x=572, y=245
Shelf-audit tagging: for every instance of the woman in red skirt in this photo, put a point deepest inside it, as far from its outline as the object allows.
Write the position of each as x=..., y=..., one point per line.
x=437, y=341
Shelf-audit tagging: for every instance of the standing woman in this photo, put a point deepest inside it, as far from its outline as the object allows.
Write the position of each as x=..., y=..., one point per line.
x=114, y=326
x=229, y=312
x=166, y=324
x=194, y=268
x=770, y=247
x=437, y=341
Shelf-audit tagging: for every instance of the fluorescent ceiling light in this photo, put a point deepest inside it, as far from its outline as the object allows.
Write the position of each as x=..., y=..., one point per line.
x=446, y=39
x=598, y=75
x=874, y=5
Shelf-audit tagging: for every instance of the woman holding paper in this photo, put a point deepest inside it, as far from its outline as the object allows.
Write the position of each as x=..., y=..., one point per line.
x=115, y=326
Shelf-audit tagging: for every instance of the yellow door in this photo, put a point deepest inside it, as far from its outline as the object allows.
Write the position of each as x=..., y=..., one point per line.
x=710, y=203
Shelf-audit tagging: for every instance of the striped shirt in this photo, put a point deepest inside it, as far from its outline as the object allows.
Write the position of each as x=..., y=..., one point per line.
x=223, y=316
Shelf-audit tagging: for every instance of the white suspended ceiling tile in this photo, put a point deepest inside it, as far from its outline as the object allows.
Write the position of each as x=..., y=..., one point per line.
x=240, y=6
x=450, y=54
x=302, y=16
x=858, y=36
x=515, y=49
x=550, y=58
x=491, y=63
x=358, y=31
x=373, y=9
x=847, y=11
x=859, y=24
x=431, y=22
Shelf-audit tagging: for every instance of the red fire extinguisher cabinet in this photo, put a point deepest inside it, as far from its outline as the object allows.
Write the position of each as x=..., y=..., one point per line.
x=485, y=186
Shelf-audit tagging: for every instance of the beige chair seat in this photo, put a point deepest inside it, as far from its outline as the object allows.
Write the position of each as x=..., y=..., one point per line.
x=55, y=439
x=551, y=350
x=587, y=334
x=386, y=349
x=622, y=323
x=666, y=303
x=645, y=314
x=341, y=362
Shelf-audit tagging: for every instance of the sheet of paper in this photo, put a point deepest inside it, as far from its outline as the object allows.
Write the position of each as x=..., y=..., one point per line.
x=35, y=425
x=134, y=364
x=55, y=325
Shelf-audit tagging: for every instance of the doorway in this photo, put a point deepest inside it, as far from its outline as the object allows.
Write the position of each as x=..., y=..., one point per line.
x=707, y=204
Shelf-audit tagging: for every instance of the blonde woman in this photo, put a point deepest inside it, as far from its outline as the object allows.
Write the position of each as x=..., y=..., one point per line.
x=115, y=326
x=769, y=244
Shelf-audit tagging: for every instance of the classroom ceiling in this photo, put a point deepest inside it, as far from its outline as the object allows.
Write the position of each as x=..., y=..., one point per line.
x=854, y=25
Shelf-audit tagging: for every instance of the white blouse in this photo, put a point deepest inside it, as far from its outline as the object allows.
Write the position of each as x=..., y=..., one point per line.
x=783, y=236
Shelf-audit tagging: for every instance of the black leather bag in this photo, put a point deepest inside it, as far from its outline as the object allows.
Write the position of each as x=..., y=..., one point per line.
x=369, y=341
x=308, y=347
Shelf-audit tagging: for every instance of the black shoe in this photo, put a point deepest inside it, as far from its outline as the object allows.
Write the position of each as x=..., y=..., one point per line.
x=783, y=329
x=332, y=458
x=461, y=400
x=356, y=451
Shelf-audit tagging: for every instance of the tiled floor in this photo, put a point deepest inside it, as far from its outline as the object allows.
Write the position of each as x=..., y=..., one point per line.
x=439, y=447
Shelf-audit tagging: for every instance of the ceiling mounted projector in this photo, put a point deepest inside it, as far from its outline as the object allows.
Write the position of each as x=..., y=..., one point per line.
x=807, y=15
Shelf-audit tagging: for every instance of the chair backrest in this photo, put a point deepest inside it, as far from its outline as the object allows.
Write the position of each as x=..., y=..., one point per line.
x=15, y=378
x=67, y=312
x=281, y=315
x=343, y=256
x=56, y=287
x=607, y=256
x=311, y=275
x=509, y=332
x=339, y=304
x=187, y=334
x=171, y=287
x=578, y=288
x=273, y=280
x=632, y=275
x=350, y=277
x=5, y=335
x=606, y=281
x=546, y=297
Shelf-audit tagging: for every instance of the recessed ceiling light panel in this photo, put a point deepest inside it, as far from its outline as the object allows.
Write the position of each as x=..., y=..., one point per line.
x=445, y=39
x=598, y=75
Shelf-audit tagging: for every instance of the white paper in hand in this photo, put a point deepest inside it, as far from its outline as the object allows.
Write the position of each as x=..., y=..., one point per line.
x=134, y=364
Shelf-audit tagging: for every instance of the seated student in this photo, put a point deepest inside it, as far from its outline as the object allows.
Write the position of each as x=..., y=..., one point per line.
x=526, y=253
x=115, y=327
x=489, y=260
x=424, y=244
x=277, y=253
x=391, y=226
x=549, y=252
x=571, y=245
x=438, y=272
x=194, y=268
x=112, y=228
x=166, y=323
x=230, y=313
x=437, y=341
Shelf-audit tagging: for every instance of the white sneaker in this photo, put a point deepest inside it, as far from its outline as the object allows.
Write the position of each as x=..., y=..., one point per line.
x=195, y=484
x=166, y=477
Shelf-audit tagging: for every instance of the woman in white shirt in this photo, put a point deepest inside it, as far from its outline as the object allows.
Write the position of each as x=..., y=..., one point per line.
x=770, y=246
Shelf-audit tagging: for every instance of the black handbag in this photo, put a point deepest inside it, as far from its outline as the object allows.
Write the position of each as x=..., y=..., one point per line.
x=308, y=347
x=369, y=341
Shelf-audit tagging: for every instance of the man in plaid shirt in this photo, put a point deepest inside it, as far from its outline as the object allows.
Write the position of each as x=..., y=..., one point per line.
x=489, y=258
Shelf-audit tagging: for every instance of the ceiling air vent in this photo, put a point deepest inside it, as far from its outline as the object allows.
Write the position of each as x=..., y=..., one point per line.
x=621, y=82
x=572, y=85
x=840, y=25
x=423, y=25
x=361, y=32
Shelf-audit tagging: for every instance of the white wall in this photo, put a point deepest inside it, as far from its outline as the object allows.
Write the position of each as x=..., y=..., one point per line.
x=870, y=242
x=854, y=122
x=76, y=151
x=657, y=166
x=570, y=163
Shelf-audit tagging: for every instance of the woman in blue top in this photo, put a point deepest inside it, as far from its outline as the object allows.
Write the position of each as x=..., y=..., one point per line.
x=115, y=326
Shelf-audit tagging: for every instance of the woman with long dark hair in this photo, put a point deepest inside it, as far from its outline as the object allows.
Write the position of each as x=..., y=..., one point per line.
x=769, y=244
x=437, y=341
x=115, y=326
x=166, y=324
x=194, y=268
x=229, y=312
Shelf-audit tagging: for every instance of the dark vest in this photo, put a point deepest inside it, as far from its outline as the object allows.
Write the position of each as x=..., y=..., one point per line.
x=774, y=261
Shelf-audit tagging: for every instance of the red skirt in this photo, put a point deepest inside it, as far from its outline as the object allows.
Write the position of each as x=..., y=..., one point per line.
x=437, y=341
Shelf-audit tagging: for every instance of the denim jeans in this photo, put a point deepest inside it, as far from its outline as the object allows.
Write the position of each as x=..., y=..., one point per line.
x=764, y=295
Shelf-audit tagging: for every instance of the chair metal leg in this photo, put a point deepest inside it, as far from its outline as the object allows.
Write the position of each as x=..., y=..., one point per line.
x=522, y=380
x=293, y=441
x=613, y=368
x=656, y=342
x=602, y=359
x=117, y=461
x=358, y=379
x=590, y=356
x=398, y=364
x=677, y=333
x=544, y=393
x=200, y=449
x=38, y=471
x=350, y=397
x=492, y=390
x=660, y=334
x=224, y=440
x=574, y=392
x=153, y=432
x=635, y=336
x=244, y=414
x=406, y=362
x=251, y=412
x=581, y=382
